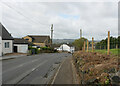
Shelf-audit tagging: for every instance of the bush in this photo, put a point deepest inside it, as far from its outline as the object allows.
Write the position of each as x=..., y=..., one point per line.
x=45, y=48
x=79, y=43
x=33, y=50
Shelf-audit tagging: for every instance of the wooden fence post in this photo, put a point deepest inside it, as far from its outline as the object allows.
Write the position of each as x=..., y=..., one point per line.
x=87, y=45
x=116, y=46
x=100, y=47
x=92, y=44
x=84, y=47
x=108, y=44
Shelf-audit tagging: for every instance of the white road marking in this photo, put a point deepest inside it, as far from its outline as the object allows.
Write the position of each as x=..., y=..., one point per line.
x=57, y=73
x=35, y=60
x=19, y=66
x=33, y=69
x=25, y=74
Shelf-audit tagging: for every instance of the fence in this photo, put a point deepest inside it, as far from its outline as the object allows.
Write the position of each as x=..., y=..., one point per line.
x=108, y=45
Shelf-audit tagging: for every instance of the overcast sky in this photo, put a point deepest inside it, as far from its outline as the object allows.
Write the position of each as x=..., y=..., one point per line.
x=35, y=18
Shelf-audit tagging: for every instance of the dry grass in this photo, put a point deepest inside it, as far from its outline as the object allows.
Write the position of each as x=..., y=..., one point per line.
x=95, y=66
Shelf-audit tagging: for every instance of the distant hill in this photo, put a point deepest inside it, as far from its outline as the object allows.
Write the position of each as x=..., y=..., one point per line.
x=58, y=41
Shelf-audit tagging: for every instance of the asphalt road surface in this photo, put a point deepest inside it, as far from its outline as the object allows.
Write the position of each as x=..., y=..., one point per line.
x=37, y=69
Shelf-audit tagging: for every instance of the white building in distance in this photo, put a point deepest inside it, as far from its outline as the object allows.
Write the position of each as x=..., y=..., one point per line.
x=65, y=47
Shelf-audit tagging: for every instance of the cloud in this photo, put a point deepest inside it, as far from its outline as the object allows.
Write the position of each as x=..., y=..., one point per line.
x=94, y=18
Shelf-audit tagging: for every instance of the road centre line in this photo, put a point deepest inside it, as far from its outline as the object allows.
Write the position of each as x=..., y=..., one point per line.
x=25, y=74
x=19, y=66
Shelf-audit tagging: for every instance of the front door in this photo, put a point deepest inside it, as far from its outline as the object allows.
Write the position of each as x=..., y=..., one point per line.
x=15, y=49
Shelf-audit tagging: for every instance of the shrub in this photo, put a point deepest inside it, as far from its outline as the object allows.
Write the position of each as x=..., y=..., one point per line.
x=33, y=50
x=45, y=48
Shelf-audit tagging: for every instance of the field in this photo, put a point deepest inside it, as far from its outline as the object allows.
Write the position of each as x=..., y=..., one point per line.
x=112, y=51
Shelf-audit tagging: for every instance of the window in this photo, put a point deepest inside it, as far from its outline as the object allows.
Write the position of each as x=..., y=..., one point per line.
x=48, y=40
x=27, y=39
x=6, y=44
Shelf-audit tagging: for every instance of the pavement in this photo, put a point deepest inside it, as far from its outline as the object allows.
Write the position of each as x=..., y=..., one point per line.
x=66, y=73
x=36, y=69
x=10, y=57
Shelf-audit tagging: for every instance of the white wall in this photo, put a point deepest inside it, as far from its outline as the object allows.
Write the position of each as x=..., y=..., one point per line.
x=64, y=47
x=0, y=46
x=72, y=49
x=7, y=50
x=22, y=48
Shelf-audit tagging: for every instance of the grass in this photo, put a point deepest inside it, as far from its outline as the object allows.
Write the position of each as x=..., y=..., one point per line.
x=112, y=51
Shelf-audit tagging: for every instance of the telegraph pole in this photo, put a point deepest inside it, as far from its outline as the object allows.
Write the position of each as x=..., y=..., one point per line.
x=80, y=33
x=51, y=34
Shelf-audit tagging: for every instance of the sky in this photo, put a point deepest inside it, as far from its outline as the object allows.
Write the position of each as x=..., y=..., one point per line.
x=35, y=18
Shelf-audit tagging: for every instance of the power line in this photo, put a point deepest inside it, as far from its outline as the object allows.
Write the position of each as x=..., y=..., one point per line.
x=24, y=15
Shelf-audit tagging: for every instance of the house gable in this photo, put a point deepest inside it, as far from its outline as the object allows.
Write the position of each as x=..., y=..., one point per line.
x=38, y=40
x=5, y=34
x=7, y=40
x=28, y=38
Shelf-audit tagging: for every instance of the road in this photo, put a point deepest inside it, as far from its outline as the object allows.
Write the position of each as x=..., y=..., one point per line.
x=37, y=69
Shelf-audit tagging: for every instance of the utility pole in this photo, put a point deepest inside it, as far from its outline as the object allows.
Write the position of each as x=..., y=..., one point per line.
x=51, y=34
x=80, y=33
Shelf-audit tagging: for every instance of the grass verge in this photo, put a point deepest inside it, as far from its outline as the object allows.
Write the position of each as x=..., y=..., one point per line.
x=104, y=51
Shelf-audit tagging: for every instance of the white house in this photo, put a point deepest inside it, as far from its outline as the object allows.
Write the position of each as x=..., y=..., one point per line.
x=65, y=47
x=20, y=45
x=6, y=41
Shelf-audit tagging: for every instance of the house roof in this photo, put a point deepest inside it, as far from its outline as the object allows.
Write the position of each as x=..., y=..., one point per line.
x=20, y=41
x=39, y=38
x=5, y=34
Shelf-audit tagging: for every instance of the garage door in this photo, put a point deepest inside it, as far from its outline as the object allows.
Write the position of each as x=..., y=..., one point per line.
x=23, y=49
x=0, y=46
